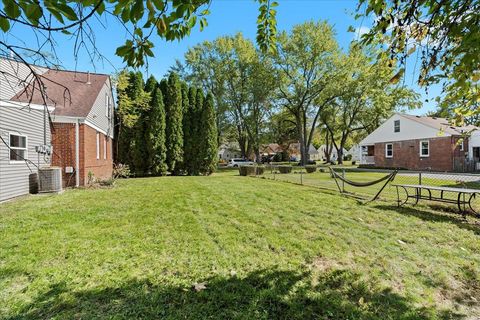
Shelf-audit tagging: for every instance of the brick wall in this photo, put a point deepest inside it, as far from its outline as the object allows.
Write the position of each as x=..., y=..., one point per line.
x=406, y=154
x=63, y=141
x=101, y=168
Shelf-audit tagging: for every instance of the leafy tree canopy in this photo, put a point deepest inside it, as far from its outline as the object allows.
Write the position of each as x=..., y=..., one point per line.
x=168, y=19
x=446, y=36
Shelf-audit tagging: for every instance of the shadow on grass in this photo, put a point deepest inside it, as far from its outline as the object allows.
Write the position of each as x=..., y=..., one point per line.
x=441, y=214
x=333, y=294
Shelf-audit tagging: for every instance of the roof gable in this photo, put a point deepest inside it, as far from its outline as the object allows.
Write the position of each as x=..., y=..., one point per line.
x=410, y=129
x=72, y=93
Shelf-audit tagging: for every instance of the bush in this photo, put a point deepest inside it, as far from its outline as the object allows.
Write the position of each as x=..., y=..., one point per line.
x=348, y=157
x=251, y=170
x=107, y=182
x=121, y=171
x=260, y=170
x=311, y=168
x=285, y=169
x=246, y=170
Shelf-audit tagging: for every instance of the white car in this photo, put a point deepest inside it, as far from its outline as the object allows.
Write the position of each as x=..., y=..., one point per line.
x=237, y=162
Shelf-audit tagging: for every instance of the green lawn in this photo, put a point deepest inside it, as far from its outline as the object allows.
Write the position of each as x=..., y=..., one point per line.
x=255, y=248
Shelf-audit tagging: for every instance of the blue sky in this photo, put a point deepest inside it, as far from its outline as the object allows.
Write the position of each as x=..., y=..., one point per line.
x=227, y=17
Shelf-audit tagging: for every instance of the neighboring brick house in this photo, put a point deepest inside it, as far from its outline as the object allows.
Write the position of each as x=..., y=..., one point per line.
x=81, y=124
x=418, y=143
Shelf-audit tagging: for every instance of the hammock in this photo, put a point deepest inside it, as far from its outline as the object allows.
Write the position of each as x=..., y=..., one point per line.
x=388, y=177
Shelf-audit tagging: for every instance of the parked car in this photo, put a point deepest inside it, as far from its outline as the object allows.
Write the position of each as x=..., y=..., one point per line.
x=233, y=163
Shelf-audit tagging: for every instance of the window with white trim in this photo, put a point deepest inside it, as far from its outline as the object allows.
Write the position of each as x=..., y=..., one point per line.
x=98, y=145
x=389, y=150
x=424, y=148
x=396, y=126
x=105, y=148
x=461, y=146
x=18, y=146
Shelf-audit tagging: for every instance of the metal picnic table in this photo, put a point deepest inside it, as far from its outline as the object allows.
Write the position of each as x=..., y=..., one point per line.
x=464, y=196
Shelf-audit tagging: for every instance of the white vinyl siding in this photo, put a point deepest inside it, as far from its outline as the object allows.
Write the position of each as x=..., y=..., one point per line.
x=14, y=177
x=389, y=150
x=98, y=114
x=424, y=148
x=98, y=145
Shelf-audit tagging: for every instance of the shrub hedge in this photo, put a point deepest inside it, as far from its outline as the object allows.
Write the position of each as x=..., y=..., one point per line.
x=251, y=170
x=311, y=168
x=285, y=169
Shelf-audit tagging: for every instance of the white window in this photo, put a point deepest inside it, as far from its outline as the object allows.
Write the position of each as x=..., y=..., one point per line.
x=18, y=146
x=105, y=148
x=396, y=126
x=98, y=145
x=389, y=150
x=424, y=148
x=107, y=105
x=461, y=146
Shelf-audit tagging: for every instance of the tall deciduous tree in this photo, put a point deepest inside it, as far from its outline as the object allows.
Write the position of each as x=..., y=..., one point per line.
x=208, y=132
x=365, y=98
x=174, y=130
x=307, y=63
x=242, y=81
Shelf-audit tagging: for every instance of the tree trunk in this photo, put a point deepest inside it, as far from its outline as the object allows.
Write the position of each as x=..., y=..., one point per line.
x=340, y=155
x=301, y=139
x=328, y=150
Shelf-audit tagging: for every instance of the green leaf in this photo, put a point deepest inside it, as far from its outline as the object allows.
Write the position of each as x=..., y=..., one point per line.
x=11, y=9
x=67, y=11
x=4, y=24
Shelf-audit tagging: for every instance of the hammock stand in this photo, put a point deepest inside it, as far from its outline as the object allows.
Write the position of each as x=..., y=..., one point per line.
x=388, y=178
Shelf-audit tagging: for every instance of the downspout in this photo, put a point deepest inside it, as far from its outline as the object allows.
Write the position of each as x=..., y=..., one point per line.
x=77, y=154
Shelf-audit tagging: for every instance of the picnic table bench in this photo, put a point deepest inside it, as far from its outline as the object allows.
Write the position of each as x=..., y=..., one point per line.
x=464, y=196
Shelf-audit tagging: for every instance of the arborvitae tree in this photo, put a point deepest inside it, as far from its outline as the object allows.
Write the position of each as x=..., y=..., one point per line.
x=151, y=85
x=185, y=123
x=190, y=125
x=163, y=85
x=139, y=149
x=174, y=130
x=155, y=135
x=208, y=132
x=197, y=138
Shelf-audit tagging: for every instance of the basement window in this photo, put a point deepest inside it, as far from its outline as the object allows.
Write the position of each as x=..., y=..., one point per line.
x=18, y=147
x=396, y=126
x=424, y=148
x=389, y=150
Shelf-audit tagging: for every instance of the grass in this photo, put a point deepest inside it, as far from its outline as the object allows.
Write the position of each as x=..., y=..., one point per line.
x=229, y=247
x=323, y=180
